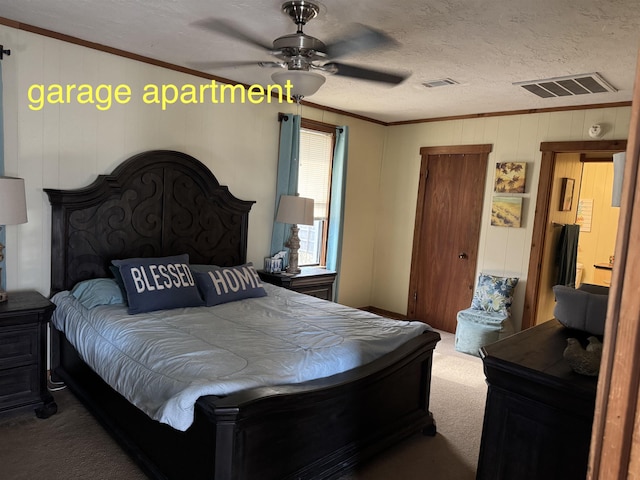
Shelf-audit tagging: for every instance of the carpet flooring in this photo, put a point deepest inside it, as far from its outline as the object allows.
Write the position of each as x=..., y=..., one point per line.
x=72, y=445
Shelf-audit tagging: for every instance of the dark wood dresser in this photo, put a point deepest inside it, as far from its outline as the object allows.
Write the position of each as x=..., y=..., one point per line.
x=539, y=413
x=317, y=282
x=23, y=354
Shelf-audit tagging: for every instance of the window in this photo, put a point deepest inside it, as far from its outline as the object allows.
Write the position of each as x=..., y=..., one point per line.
x=314, y=181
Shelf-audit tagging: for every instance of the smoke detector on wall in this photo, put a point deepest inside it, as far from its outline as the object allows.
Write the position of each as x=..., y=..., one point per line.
x=596, y=130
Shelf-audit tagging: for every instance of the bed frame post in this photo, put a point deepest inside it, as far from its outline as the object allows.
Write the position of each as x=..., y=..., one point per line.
x=226, y=420
x=54, y=358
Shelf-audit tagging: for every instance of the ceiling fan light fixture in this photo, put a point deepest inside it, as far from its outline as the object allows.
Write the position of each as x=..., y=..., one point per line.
x=303, y=83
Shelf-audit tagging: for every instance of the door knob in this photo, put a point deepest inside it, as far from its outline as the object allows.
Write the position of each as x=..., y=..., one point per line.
x=462, y=256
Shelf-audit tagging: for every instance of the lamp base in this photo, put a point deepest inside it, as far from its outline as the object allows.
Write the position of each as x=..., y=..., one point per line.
x=294, y=245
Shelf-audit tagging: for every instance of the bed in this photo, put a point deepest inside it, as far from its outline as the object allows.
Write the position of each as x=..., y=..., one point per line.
x=162, y=203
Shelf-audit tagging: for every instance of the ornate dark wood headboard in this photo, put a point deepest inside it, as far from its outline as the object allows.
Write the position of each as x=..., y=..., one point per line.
x=156, y=203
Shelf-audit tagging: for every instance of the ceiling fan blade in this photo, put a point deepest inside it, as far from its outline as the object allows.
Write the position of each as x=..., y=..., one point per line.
x=361, y=38
x=221, y=64
x=383, y=76
x=231, y=64
x=227, y=28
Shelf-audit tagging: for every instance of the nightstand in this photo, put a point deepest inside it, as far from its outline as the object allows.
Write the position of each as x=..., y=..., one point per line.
x=23, y=354
x=317, y=282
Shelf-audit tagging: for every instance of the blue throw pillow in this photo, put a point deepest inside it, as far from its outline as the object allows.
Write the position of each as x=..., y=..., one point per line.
x=158, y=283
x=98, y=291
x=227, y=284
x=494, y=294
x=115, y=271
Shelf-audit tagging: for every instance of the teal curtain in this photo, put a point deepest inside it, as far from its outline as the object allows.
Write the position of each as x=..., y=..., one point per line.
x=336, y=208
x=287, y=182
x=2, y=233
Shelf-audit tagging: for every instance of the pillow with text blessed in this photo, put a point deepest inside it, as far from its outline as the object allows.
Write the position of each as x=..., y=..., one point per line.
x=158, y=283
x=228, y=284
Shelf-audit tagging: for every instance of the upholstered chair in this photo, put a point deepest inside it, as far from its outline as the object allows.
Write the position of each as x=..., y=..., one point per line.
x=489, y=317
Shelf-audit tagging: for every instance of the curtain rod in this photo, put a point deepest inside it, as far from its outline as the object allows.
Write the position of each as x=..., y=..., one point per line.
x=285, y=117
x=4, y=52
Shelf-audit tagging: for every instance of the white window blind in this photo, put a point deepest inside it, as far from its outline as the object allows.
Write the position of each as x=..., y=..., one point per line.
x=314, y=176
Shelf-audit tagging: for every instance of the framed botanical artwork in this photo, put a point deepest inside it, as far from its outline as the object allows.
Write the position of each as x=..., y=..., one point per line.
x=510, y=177
x=506, y=212
x=566, y=194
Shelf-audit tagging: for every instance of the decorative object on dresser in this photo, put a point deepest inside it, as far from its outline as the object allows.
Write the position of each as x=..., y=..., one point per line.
x=162, y=203
x=314, y=281
x=585, y=361
x=13, y=211
x=23, y=354
x=295, y=211
x=539, y=412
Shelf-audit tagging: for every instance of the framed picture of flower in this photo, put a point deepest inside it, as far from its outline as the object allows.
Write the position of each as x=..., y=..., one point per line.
x=510, y=177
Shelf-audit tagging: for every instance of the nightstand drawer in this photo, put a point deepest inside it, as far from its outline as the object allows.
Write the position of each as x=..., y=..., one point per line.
x=19, y=386
x=317, y=282
x=323, y=291
x=23, y=354
x=18, y=346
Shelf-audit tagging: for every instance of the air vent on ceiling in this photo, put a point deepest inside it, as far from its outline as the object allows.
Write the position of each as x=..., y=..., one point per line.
x=582, y=84
x=441, y=82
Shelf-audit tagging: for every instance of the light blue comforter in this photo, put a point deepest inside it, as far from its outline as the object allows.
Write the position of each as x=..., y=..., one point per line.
x=163, y=361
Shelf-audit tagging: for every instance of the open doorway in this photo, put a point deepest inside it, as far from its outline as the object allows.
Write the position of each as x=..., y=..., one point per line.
x=581, y=194
x=598, y=219
x=551, y=154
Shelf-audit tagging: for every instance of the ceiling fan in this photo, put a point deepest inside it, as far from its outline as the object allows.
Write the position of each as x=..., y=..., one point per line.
x=300, y=55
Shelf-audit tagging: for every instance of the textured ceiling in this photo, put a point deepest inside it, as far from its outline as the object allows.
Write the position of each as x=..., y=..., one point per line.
x=485, y=46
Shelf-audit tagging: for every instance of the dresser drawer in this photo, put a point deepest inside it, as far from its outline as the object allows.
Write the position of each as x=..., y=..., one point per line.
x=19, y=386
x=18, y=346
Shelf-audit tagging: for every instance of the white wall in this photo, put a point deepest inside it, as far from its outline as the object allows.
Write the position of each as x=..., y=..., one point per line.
x=67, y=146
x=502, y=251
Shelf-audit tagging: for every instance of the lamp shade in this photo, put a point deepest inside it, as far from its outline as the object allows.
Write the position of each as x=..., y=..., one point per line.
x=295, y=210
x=304, y=83
x=13, y=203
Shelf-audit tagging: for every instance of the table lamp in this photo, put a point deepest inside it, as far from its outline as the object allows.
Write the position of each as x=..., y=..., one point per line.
x=13, y=211
x=295, y=211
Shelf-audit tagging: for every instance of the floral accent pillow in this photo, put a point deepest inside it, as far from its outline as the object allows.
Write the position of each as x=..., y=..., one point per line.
x=494, y=294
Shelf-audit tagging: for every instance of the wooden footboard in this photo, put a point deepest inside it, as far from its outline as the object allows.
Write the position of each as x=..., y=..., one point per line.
x=312, y=430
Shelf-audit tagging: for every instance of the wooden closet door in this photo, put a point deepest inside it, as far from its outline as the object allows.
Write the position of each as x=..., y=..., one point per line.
x=448, y=219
